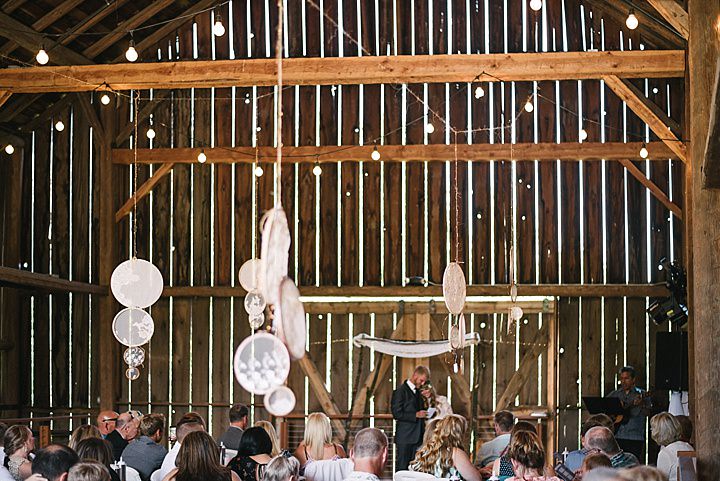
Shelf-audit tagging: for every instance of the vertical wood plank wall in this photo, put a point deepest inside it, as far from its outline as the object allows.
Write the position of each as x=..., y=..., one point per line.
x=359, y=223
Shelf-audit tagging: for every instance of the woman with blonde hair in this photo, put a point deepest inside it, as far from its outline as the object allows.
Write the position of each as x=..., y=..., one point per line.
x=443, y=454
x=85, y=431
x=666, y=430
x=270, y=429
x=18, y=442
x=317, y=445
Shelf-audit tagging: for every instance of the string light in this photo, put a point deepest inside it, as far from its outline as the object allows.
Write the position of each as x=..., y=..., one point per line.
x=218, y=28
x=9, y=149
x=479, y=92
x=202, y=158
x=59, y=126
x=536, y=4
x=150, y=133
x=529, y=107
x=429, y=128
x=644, y=151
x=375, y=155
x=131, y=54
x=259, y=171
x=317, y=170
x=104, y=99
x=42, y=56
x=632, y=21
x=583, y=134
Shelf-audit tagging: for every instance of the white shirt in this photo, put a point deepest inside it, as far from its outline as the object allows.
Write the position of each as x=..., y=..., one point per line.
x=411, y=386
x=492, y=449
x=168, y=463
x=361, y=476
x=5, y=474
x=667, y=461
x=2, y=456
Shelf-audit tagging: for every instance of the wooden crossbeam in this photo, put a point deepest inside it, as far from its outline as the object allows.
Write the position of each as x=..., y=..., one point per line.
x=410, y=307
x=547, y=151
x=674, y=14
x=46, y=283
x=652, y=187
x=527, y=364
x=324, y=396
x=142, y=191
x=648, y=113
x=47, y=114
x=4, y=97
x=348, y=70
x=92, y=116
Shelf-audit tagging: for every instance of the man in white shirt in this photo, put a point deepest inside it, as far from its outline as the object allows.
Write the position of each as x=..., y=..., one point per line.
x=183, y=427
x=369, y=454
x=491, y=450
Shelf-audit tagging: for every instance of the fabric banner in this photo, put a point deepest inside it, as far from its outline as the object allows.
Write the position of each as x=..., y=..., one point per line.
x=410, y=349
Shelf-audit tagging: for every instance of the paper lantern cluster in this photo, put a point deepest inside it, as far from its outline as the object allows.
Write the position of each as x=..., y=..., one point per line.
x=262, y=361
x=136, y=284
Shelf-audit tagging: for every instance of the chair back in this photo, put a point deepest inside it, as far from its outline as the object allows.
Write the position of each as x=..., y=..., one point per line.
x=407, y=475
x=328, y=470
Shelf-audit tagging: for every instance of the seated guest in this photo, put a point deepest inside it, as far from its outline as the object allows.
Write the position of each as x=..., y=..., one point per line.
x=666, y=431
x=54, y=461
x=686, y=427
x=98, y=450
x=593, y=460
x=491, y=450
x=82, y=432
x=18, y=442
x=253, y=454
x=444, y=454
x=144, y=454
x=369, y=455
x=502, y=466
x=106, y=422
x=429, y=430
x=270, y=430
x=282, y=468
x=641, y=473
x=317, y=443
x=603, y=439
x=528, y=458
x=88, y=471
x=188, y=423
x=199, y=460
x=4, y=473
x=575, y=458
x=126, y=429
x=238, y=423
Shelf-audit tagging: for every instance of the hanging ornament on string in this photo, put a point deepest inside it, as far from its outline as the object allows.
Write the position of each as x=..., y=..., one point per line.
x=261, y=363
x=255, y=303
x=515, y=312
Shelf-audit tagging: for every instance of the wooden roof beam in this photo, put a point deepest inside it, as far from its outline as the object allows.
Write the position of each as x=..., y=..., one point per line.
x=46, y=283
x=142, y=191
x=546, y=151
x=349, y=71
x=4, y=97
x=711, y=161
x=652, y=187
x=648, y=112
x=674, y=14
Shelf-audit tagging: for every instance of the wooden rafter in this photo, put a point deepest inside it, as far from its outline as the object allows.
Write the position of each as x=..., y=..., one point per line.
x=566, y=151
x=318, y=386
x=648, y=113
x=11, y=5
x=47, y=114
x=711, y=160
x=142, y=115
x=652, y=187
x=142, y=191
x=4, y=96
x=46, y=283
x=674, y=14
x=348, y=70
x=91, y=114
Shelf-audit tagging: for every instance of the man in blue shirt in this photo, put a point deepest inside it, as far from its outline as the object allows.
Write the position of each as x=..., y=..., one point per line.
x=630, y=433
x=144, y=454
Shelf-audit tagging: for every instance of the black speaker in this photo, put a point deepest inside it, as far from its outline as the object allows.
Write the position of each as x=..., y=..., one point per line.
x=671, y=361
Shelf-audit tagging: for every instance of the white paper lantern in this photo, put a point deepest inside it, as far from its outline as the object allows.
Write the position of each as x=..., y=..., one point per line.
x=275, y=253
x=254, y=303
x=256, y=321
x=133, y=327
x=134, y=356
x=132, y=373
x=516, y=312
x=249, y=274
x=136, y=283
x=454, y=288
x=280, y=401
x=261, y=363
x=289, y=320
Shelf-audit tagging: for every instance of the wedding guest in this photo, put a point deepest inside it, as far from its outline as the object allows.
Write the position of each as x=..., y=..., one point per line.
x=444, y=454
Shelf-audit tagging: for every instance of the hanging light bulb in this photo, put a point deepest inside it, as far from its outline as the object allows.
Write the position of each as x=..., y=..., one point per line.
x=42, y=57
x=131, y=54
x=644, y=151
x=529, y=107
x=59, y=126
x=536, y=4
x=259, y=171
x=150, y=133
x=9, y=149
x=104, y=99
x=375, y=155
x=317, y=170
x=218, y=28
x=429, y=128
x=479, y=92
x=632, y=21
x=202, y=158
x=583, y=134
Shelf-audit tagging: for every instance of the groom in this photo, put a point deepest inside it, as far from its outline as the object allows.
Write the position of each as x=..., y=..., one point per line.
x=407, y=410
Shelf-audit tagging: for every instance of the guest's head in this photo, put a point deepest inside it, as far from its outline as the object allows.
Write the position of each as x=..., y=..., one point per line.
x=88, y=471
x=593, y=421
x=106, y=422
x=83, y=432
x=603, y=439
x=18, y=441
x=199, y=458
x=282, y=468
x=185, y=427
x=449, y=433
x=523, y=427
x=593, y=461
x=270, y=430
x=370, y=451
x=627, y=378
x=127, y=425
x=686, y=427
x=420, y=375
x=192, y=417
x=239, y=415
x=94, y=449
x=153, y=426
x=526, y=453
x=602, y=474
x=54, y=461
x=665, y=429
x=255, y=441
x=503, y=422
x=642, y=473
x=318, y=433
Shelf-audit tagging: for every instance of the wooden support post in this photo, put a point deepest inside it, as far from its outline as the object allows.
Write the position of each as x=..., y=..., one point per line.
x=416, y=327
x=142, y=191
x=551, y=367
x=711, y=162
x=674, y=14
x=45, y=435
x=324, y=396
x=652, y=187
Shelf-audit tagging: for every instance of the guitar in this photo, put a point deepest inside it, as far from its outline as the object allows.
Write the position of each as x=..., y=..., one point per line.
x=620, y=419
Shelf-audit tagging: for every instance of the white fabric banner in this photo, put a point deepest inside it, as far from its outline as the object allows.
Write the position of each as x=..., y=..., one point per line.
x=410, y=349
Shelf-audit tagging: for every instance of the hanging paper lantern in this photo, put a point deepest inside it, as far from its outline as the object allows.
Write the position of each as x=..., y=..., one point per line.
x=454, y=288
x=516, y=312
x=280, y=401
x=132, y=373
x=289, y=319
x=134, y=356
x=136, y=283
x=133, y=327
x=261, y=363
x=254, y=303
x=249, y=274
x=256, y=321
x=274, y=253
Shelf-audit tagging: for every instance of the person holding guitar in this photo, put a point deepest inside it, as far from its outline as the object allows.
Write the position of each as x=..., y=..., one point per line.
x=630, y=427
